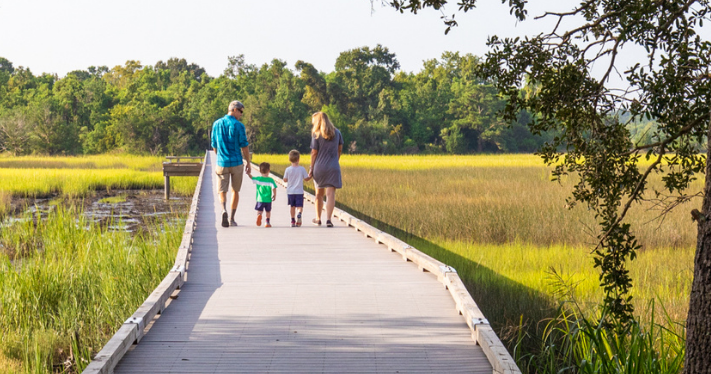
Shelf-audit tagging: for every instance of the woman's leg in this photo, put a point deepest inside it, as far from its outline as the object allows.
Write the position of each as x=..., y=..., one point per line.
x=319, y=202
x=330, y=201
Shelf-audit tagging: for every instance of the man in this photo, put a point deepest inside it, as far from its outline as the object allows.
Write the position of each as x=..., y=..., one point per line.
x=228, y=137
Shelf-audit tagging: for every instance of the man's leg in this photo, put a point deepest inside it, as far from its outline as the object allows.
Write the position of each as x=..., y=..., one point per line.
x=222, y=192
x=236, y=179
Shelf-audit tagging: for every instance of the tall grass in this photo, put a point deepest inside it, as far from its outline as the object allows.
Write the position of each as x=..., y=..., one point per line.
x=73, y=287
x=575, y=342
x=80, y=176
x=109, y=161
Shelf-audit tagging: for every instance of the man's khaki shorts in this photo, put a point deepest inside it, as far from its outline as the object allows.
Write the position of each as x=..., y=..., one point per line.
x=232, y=173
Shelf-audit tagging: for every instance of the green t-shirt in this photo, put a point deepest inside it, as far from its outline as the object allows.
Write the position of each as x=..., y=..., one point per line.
x=264, y=188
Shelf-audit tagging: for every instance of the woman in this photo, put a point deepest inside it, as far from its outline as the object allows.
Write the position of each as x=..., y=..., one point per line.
x=326, y=149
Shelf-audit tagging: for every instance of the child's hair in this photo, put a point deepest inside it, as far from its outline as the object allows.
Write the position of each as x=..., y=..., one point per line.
x=264, y=167
x=294, y=155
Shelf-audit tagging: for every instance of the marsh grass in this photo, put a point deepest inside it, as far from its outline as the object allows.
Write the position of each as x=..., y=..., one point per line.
x=113, y=199
x=79, y=176
x=108, y=161
x=5, y=204
x=73, y=287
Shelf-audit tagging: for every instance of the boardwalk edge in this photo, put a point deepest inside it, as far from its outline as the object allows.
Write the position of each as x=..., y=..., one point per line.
x=134, y=328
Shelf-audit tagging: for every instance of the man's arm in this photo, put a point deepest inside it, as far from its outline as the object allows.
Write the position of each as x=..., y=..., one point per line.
x=247, y=160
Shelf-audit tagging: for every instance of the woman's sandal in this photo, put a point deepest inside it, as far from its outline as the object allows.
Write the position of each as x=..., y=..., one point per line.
x=329, y=223
x=316, y=222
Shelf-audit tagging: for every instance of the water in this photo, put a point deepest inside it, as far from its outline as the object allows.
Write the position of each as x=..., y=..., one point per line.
x=127, y=210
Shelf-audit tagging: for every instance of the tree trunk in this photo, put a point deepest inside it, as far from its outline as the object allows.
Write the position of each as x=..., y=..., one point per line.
x=698, y=322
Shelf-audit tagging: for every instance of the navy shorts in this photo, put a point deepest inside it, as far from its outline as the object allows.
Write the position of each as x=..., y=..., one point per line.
x=295, y=200
x=263, y=206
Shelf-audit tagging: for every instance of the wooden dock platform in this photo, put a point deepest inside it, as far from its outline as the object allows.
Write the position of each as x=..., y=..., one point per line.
x=301, y=300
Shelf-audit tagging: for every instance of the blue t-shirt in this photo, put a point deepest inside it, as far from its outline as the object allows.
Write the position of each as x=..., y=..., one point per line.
x=228, y=137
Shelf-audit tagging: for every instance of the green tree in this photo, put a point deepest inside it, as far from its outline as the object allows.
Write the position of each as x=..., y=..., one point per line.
x=15, y=132
x=361, y=74
x=671, y=83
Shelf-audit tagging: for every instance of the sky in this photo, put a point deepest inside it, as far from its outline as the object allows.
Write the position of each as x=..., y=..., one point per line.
x=61, y=36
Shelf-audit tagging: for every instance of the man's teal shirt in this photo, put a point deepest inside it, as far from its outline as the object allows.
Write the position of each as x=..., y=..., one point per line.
x=228, y=137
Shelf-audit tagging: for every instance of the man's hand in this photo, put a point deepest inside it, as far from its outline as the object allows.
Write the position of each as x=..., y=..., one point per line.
x=248, y=169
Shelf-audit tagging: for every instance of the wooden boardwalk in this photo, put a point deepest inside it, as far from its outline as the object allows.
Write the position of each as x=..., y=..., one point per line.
x=301, y=300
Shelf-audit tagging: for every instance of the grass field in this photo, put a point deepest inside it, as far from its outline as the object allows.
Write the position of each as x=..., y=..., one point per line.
x=504, y=226
x=33, y=177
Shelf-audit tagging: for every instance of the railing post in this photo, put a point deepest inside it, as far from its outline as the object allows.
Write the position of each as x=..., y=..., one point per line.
x=167, y=187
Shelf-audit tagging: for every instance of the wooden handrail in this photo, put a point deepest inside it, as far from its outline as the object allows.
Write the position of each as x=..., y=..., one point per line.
x=178, y=158
x=134, y=328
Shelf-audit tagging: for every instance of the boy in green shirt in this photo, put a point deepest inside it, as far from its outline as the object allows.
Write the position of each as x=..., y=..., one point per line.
x=266, y=193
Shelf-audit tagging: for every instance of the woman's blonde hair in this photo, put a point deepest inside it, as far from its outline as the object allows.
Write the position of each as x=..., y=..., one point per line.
x=322, y=126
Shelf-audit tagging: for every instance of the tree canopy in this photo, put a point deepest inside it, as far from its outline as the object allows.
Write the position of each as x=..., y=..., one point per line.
x=169, y=107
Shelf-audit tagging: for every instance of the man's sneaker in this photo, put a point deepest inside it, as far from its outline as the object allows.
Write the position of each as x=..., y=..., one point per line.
x=298, y=221
x=259, y=220
x=268, y=225
x=225, y=222
x=233, y=223
x=316, y=222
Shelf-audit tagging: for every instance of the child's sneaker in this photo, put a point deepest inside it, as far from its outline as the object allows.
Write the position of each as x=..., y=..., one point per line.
x=259, y=220
x=268, y=224
x=298, y=220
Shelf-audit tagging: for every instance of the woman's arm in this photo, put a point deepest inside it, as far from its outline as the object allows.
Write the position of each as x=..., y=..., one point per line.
x=340, y=150
x=314, y=153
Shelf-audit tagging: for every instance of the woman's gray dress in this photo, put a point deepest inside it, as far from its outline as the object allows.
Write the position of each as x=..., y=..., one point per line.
x=327, y=170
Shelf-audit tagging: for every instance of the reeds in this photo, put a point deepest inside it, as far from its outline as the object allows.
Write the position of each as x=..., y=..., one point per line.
x=73, y=286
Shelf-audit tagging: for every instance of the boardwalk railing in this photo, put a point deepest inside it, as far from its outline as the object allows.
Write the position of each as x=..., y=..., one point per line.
x=482, y=333
x=134, y=328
